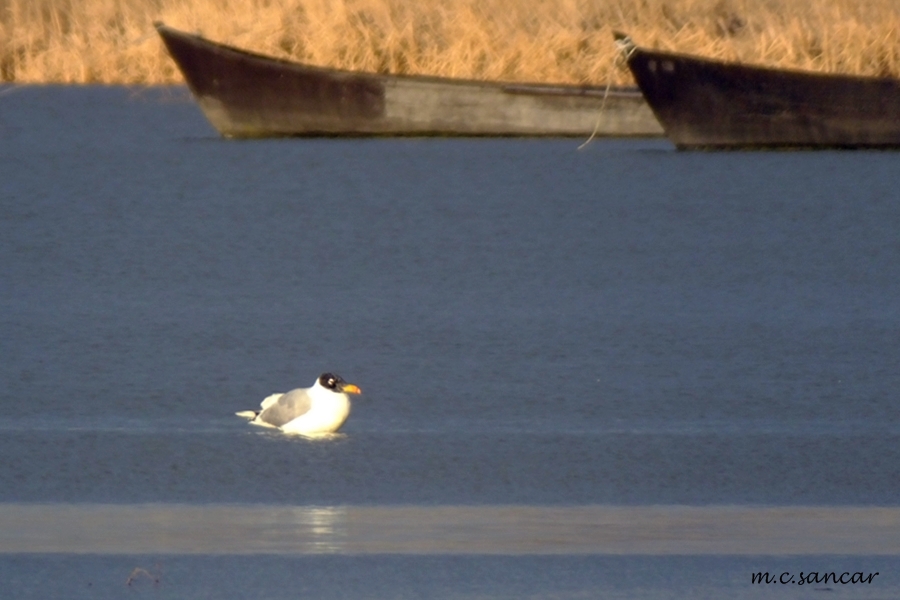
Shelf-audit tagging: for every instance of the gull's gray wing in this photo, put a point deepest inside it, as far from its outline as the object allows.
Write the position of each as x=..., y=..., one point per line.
x=287, y=408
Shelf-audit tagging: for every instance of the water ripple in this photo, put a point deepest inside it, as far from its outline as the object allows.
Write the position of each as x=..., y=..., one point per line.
x=449, y=529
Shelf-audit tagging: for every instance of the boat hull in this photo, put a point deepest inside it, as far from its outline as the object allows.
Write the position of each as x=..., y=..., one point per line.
x=704, y=103
x=250, y=95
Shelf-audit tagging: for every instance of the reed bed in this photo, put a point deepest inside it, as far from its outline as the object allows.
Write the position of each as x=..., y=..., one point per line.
x=565, y=41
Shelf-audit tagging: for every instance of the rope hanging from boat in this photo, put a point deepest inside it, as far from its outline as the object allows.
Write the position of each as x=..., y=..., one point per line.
x=624, y=48
x=624, y=45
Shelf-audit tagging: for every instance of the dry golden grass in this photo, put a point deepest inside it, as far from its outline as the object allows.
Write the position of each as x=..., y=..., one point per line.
x=567, y=41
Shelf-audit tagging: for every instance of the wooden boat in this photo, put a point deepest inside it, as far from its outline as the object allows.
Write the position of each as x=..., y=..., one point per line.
x=705, y=103
x=250, y=95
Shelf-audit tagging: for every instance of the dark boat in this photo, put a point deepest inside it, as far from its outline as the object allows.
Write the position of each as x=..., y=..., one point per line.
x=250, y=95
x=704, y=103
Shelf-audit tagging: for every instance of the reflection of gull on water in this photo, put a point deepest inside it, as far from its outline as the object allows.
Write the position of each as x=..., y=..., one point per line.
x=323, y=525
x=301, y=529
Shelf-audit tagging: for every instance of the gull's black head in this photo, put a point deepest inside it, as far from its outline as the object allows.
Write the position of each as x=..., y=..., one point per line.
x=330, y=381
x=335, y=383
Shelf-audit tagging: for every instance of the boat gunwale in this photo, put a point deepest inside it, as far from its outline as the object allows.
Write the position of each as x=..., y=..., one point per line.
x=762, y=68
x=508, y=86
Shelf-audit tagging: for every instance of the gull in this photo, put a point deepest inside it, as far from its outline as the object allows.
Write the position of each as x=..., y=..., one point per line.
x=314, y=411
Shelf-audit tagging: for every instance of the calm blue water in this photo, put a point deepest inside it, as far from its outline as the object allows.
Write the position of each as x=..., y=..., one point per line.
x=531, y=325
